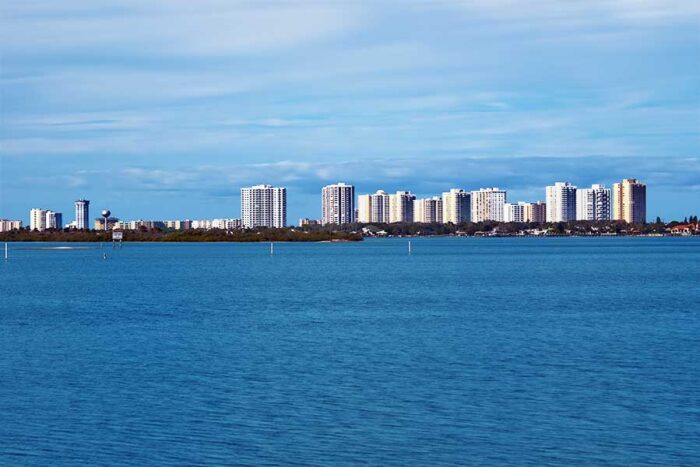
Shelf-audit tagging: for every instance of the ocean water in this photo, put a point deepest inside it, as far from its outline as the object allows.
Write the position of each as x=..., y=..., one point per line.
x=467, y=352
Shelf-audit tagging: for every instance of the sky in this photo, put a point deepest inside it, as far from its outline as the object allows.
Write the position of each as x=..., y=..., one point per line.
x=164, y=109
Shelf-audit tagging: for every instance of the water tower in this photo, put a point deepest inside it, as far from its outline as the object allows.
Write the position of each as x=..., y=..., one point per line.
x=105, y=215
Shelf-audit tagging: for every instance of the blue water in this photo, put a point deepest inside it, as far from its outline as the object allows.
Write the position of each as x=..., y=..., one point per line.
x=469, y=351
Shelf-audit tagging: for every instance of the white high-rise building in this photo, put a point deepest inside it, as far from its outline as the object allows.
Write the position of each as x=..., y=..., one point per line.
x=427, y=210
x=37, y=219
x=524, y=212
x=364, y=209
x=53, y=220
x=338, y=204
x=514, y=212
x=379, y=205
x=561, y=202
x=456, y=206
x=401, y=207
x=593, y=204
x=536, y=212
x=263, y=206
x=630, y=201
x=82, y=214
x=487, y=204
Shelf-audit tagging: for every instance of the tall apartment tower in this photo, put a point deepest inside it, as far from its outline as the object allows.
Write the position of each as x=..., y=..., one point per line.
x=53, y=220
x=456, y=206
x=514, y=212
x=401, y=207
x=338, y=204
x=379, y=207
x=263, y=206
x=536, y=212
x=37, y=219
x=428, y=210
x=630, y=201
x=593, y=204
x=561, y=202
x=364, y=209
x=487, y=204
x=82, y=214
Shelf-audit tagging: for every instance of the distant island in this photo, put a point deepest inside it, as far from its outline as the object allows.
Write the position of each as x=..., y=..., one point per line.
x=156, y=235
x=357, y=232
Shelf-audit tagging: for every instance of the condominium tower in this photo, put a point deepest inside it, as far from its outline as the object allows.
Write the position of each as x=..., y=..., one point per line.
x=456, y=206
x=373, y=208
x=535, y=212
x=82, y=214
x=53, y=220
x=338, y=204
x=487, y=204
x=401, y=207
x=524, y=212
x=427, y=210
x=630, y=201
x=561, y=202
x=37, y=219
x=263, y=206
x=364, y=209
x=593, y=204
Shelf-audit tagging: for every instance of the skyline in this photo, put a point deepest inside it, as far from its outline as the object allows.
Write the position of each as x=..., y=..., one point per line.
x=177, y=111
x=266, y=205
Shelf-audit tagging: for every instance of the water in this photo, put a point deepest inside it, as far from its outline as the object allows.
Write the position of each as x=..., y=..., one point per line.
x=468, y=351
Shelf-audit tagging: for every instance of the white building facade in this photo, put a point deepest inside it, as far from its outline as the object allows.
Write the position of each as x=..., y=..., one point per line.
x=338, y=204
x=37, y=219
x=401, y=207
x=514, y=212
x=263, y=206
x=593, y=204
x=456, y=206
x=427, y=210
x=488, y=204
x=630, y=201
x=561, y=202
x=82, y=214
x=53, y=220
x=373, y=208
x=6, y=225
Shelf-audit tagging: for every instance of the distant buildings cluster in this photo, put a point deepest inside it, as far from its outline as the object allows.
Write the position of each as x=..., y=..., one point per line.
x=266, y=206
x=563, y=202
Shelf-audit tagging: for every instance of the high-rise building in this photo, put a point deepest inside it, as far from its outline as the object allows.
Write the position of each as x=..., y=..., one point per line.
x=593, y=204
x=514, y=212
x=630, y=201
x=379, y=207
x=427, y=210
x=82, y=214
x=37, y=219
x=401, y=207
x=456, y=206
x=263, y=206
x=487, y=204
x=53, y=220
x=364, y=209
x=338, y=204
x=535, y=212
x=561, y=202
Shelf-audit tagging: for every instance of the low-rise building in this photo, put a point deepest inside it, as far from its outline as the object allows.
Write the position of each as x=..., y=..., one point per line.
x=306, y=221
x=100, y=223
x=6, y=225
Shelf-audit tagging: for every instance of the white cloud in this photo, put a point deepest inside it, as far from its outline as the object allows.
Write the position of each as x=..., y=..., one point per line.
x=201, y=28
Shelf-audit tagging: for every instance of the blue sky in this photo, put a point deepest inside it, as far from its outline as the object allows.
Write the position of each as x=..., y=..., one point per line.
x=164, y=109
